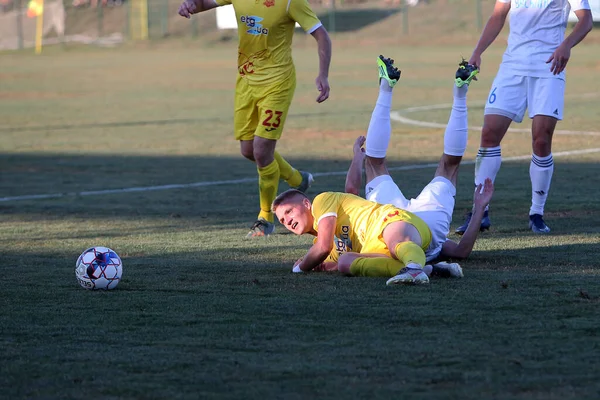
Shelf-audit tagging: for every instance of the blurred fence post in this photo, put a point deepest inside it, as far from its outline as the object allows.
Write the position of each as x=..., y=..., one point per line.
x=127, y=20
x=404, y=11
x=165, y=18
x=19, y=14
x=100, y=18
x=332, y=17
x=479, y=15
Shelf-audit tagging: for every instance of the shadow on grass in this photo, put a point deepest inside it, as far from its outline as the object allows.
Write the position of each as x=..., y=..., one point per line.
x=215, y=192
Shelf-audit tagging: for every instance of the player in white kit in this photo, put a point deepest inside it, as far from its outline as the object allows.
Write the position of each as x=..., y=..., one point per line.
x=435, y=203
x=531, y=76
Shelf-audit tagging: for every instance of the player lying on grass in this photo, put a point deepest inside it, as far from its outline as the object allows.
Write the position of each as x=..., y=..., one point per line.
x=364, y=249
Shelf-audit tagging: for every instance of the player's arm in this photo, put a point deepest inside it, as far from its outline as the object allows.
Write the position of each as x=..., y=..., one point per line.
x=325, y=266
x=464, y=247
x=300, y=11
x=354, y=175
x=321, y=248
x=561, y=55
x=324, y=50
x=330, y=264
x=189, y=7
x=491, y=30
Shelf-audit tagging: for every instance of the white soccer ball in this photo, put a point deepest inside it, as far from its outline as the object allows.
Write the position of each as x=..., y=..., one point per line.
x=98, y=268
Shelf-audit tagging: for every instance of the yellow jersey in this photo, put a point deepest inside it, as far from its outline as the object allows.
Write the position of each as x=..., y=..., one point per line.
x=265, y=30
x=360, y=223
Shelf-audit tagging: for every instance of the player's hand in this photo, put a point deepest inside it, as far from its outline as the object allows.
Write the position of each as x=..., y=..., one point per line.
x=483, y=194
x=475, y=60
x=323, y=87
x=559, y=59
x=296, y=268
x=358, y=146
x=187, y=8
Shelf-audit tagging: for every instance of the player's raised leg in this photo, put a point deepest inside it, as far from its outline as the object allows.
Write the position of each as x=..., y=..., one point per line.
x=457, y=129
x=380, y=125
x=376, y=142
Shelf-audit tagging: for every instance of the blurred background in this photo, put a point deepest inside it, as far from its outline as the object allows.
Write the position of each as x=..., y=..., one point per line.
x=109, y=22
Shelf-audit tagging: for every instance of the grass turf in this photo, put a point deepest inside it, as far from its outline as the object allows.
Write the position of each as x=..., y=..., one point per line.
x=202, y=312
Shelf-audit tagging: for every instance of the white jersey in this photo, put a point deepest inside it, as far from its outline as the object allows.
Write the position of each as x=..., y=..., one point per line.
x=537, y=28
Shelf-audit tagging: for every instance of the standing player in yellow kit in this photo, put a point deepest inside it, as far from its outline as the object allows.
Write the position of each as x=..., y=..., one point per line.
x=265, y=87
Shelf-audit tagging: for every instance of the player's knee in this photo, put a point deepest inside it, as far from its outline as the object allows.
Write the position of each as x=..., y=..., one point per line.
x=345, y=261
x=264, y=151
x=542, y=146
x=490, y=136
x=249, y=154
x=448, y=167
x=247, y=150
x=375, y=162
x=263, y=158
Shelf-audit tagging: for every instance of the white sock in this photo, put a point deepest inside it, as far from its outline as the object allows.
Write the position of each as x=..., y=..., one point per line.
x=487, y=164
x=540, y=172
x=461, y=92
x=380, y=126
x=457, y=130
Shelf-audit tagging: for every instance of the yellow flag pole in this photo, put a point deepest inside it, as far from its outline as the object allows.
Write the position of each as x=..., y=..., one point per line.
x=39, y=29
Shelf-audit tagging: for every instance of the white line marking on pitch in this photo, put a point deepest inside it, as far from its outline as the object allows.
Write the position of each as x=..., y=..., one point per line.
x=247, y=180
x=397, y=116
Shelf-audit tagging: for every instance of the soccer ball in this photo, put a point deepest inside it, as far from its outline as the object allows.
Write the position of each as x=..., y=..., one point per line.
x=98, y=268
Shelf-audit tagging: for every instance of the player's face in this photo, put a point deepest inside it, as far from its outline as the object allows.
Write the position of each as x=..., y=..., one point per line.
x=294, y=215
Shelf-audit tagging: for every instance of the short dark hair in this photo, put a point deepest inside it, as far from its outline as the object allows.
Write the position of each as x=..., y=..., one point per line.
x=285, y=197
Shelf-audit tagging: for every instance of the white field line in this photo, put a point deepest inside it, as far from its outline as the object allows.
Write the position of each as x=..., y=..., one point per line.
x=395, y=115
x=247, y=180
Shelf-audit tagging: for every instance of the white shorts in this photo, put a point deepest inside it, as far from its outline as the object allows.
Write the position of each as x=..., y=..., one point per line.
x=511, y=95
x=434, y=205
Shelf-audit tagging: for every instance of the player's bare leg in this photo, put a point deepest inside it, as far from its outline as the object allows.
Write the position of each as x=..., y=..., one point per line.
x=299, y=180
x=541, y=170
x=488, y=160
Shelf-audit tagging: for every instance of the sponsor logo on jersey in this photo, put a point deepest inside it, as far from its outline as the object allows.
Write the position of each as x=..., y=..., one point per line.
x=269, y=3
x=531, y=3
x=246, y=68
x=253, y=23
x=343, y=243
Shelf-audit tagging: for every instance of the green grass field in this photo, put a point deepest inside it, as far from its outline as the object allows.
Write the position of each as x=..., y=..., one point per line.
x=202, y=312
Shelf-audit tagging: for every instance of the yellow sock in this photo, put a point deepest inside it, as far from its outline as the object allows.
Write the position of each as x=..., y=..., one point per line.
x=377, y=267
x=410, y=253
x=268, y=182
x=287, y=172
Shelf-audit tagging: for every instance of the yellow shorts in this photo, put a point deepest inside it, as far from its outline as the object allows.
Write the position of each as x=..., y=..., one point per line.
x=384, y=216
x=262, y=110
